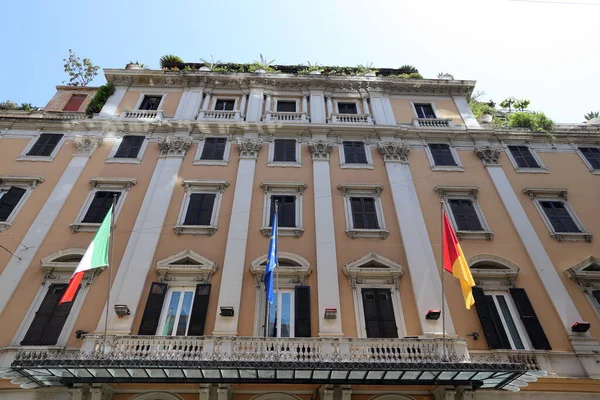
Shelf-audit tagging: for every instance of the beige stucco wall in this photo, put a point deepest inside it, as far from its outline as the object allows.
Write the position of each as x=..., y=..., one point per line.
x=169, y=106
x=404, y=113
x=447, y=109
x=402, y=110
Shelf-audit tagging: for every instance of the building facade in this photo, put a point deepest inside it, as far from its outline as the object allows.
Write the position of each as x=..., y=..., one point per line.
x=360, y=168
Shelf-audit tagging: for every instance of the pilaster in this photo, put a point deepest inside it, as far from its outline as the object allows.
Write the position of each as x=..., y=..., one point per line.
x=465, y=112
x=255, y=103
x=327, y=276
x=237, y=237
x=381, y=114
x=317, y=107
x=189, y=105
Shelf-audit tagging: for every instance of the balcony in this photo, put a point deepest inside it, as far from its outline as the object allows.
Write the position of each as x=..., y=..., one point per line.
x=173, y=359
x=213, y=115
x=70, y=115
x=432, y=122
x=360, y=119
x=287, y=117
x=142, y=114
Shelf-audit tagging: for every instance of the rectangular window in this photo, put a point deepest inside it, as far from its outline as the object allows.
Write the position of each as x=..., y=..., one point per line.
x=442, y=154
x=150, y=102
x=200, y=209
x=364, y=215
x=596, y=296
x=286, y=106
x=380, y=321
x=347, y=108
x=214, y=149
x=130, y=147
x=100, y=206
x=424, y=111
x=286, y=217
x=559, y=216
x=354, y=153
x=523, y=157
x=281, y=315
x=285, y=150
x=75, y=102
x=45, y=144
x=224, y=105
x=177, y=312
x=592, y=155
x=9, y=199
x=464, y=214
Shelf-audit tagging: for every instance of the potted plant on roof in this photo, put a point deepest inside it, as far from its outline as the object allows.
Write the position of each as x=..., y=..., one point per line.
x=135, y=65
x=170, y=61
x=262, y=66
x=209, y=65
x=367, y=69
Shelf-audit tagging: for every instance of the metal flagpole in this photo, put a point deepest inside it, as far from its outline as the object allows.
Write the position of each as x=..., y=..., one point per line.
x=277, y=294
x=443, y=288
x=110, y=263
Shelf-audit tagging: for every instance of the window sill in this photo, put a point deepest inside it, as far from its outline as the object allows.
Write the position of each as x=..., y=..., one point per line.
x=211, y=162
x=284, y=164
x=572, y=237
x=447, y=168
x=357, y=166
x=35, y=158
x=4, y=225
x=532, y=170
x=368, y=233
x=487, y=235
x=195, y=230
x=84, y=227
x=295, y=232
x=113, y=160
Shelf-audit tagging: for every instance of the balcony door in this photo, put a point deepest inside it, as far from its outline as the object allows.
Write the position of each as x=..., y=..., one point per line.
x=380, y=321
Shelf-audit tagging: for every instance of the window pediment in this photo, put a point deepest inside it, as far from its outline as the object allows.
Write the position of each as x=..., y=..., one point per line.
x=493, y=272
x=112, y=182
x=373, y=268
x=59, y=266
x=186, y=266
x=293, y=269
x=32, y=181
x=586, y=273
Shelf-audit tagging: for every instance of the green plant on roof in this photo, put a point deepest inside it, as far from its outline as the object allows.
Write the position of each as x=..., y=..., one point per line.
x=144, y=66
x=81, y=72
x=169, y=61
x=508, y=103
x=407, y=69
x=521, y=104
x=212, y=64
x=310, y=68
x=535, y=121
x=367, y=68
x=592, y=115
x=101, y=97
x=262, y=63
x=11, y=105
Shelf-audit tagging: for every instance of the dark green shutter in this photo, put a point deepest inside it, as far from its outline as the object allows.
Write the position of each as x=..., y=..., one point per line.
x=380, y=321
x=154, y=305
x=100, y=206
x=530, y=320
x=9, y=201
x=490, y=320
x=45, y=144
x=302, y=325
x=130, y=147
x=199, y=310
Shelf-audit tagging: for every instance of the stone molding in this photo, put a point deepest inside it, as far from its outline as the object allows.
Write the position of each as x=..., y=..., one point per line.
x=320, y=149
x=296, y=187
x=174, y=146
x=288, y=275
x=489, y=155
x=86, y=145
x=533, y=193
x=394, y=152
x=170, y=271
x=213, y=185
x=500, y=276
x=389, y=272
x=249, y=148
x=32, y=181
x=112, y=183
x=584, y=278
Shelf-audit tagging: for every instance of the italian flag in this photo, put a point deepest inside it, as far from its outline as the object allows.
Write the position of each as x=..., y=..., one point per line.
x=455, y=262
x=95, y=256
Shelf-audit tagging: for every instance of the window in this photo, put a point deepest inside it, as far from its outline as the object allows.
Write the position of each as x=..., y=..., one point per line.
x=559, y=216
x=176, y=314
x=214, y=149
x=286, y=106
x=591, y=156
x=380, y=321
x=14, y=191
x=224, y=105
x=100, y=205
x=464, y=211
x=364, y=212
x=523, y=157
x=281, y=314
x=150, y=102
x=75, y=102
x=354, y=153
x=442, y=154
x=130, y=147
x=200, y=209
x=289, y=197
x=285, y=150
x=465, y=216
x=347, y=108
x=586, y=275
x=9, y=199
x=45, y=145
x=425, y=111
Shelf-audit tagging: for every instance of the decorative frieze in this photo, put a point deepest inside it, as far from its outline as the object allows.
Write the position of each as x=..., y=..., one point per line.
x=86, y=145
x=320, y=149
x=174, y=146
x=249, y=148
x=394, y=152
x=489, y=155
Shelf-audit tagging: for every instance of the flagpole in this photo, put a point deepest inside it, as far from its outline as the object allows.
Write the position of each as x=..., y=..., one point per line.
x=277, y=294
x=443, y=288
x=110, y=248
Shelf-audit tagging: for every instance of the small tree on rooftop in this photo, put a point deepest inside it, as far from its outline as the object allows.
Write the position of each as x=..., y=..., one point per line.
x=81, y=72
x=508, y=103
x=592, y=115
x=521, y=104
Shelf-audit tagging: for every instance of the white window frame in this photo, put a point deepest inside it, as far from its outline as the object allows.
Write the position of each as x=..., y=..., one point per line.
x=350, y=190
x=558, y=194
x=24, y=157
x=213, y=101
x=283, y=189
x=587, y=281
x=279, y=300
x=458, y=167
x=342, y=155
x=585, y=160
x=272, y=163
x=117, y=143
x=102, y=184
x=29, y=183
x=277, y=99
x=433, y=106
x=165, y=307
x=151, y=93
x=541, y=170
x=200, y=149
x=447, y=193
x=56, y=272
x=195, y=186
x=359, y=109
x=515, y=316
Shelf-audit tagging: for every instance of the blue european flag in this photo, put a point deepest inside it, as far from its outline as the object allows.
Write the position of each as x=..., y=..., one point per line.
x=271, y=260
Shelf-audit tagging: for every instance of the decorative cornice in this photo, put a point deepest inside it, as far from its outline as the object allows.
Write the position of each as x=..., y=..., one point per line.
x=249, y=148
x=500, y=273
x=214, y=185
x=103, y=182
x=360, y=188
x=489, y=155
x=174, y=146
x=86, y=145
x=32, y=181
x=201, y=271
x=389, y=272
x=533, y=193
x=444, y=191
x=320, y=149
x=582, y=276
x=394, y=152
x=297, y=187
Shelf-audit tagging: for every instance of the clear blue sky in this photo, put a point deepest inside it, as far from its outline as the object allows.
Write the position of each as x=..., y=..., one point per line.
x=545, y=52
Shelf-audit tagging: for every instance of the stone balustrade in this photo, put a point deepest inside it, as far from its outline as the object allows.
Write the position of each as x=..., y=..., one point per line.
x=364, y=119
x=286, y=117
x=432, y=122
x=219, y=115
x=141, y=114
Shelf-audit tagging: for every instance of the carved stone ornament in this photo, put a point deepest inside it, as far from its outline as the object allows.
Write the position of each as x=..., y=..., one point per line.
x=249, y=148
x=174, y=146
x=86, y=145
x=320, y=149
x=489, y=155
x=394, y=152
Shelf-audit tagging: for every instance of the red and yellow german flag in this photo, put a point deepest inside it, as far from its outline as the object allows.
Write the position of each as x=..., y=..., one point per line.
x=455, y=262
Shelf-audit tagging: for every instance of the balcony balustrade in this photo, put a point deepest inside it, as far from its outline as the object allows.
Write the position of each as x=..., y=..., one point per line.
x=362, y=119
x=299, y=117
x=219, y=115
x=432, y=122
x=142, y=114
